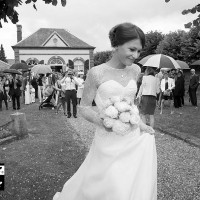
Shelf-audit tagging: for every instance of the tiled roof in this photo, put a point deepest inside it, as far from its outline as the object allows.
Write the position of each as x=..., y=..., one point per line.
x=38, y=38
x=3, y=65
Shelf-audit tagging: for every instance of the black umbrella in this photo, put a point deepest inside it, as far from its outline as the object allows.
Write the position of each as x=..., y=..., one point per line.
x=2, y=75
x=11, y=71
x=23, y=66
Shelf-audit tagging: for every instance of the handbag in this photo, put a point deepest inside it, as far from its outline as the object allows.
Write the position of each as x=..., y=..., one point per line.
x=166, y=93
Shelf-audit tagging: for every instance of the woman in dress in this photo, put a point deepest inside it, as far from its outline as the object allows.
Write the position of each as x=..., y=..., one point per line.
x=147, y=95
x=118, y=166
x=61, y=94
x=40, y=87
x=80, y=88
x=167, y=85
x=27, y=93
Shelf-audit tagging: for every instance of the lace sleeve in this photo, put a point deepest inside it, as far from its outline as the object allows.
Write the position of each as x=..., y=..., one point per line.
x=138, y=72
x=89, y=93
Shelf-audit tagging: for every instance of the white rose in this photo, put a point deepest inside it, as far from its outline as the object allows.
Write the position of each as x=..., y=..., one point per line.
x=121, y=128
x=122, y=106
x=111, y=112
x=108, y=122
x=125, y=117
x=134, y=110
x=135, y=119
x=115, y=99
x=107, y=103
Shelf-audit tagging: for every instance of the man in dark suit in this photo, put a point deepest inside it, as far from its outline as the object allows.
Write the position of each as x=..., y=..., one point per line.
x=194, y=83
x=35, y=85
x=15, y=91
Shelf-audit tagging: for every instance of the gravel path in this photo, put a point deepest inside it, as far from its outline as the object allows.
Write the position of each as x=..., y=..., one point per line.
x=38, y=166
x=178, y=163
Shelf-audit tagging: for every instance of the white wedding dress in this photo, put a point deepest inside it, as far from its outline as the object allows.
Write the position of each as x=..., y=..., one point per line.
x=116, y=167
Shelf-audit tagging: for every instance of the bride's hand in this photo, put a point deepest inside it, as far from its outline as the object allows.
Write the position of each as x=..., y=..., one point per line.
x=147, y=128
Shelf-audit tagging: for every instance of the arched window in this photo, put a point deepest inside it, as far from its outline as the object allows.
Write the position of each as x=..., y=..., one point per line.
x=32, y=61
x=56, y=60
x=79, y=64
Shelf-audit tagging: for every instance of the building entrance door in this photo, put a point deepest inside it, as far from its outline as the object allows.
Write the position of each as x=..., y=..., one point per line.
x=57, y=68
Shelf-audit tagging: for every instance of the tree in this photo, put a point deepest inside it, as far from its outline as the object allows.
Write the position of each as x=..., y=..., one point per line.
x=194, y=10
x=172, y=44
x=153, y=38
x=102, y=57
x=191, y=45
x=2, y=54
x=7, y=8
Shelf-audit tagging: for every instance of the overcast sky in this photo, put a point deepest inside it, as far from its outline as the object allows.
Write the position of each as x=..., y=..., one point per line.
x=91, y=20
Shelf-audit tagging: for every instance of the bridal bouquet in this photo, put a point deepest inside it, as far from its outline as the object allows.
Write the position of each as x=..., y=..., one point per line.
x=120, y=115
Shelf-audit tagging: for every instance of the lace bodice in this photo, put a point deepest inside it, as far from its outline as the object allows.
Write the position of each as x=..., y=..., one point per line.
x=112, y=88
x=104, y=82
x=104, y=74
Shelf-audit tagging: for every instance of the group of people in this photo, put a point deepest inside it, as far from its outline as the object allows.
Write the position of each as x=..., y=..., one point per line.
x=157, y=86
x=10, y=90
x=67, y=88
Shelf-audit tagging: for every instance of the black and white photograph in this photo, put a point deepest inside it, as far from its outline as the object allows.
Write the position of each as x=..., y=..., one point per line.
x=99, y=100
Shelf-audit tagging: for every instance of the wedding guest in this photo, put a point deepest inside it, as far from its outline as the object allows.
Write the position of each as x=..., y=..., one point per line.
x=35, y=85
x=7, y=88
x=32, y=93
x=15, y=91
x=27, y=93
x=40, y=87
x=193, y=85
x=3, y=95
x=57, y=84
x=70, y=82
x=179, y=90
x=147, y=93
x=80, y=88
x=61, y=95
x=159, y=76
x=167, y=85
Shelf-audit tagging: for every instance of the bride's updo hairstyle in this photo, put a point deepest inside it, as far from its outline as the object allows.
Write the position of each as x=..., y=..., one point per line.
x=125, y=32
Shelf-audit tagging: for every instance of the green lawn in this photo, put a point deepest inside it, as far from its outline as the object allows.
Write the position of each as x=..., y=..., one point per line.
x=184, y=120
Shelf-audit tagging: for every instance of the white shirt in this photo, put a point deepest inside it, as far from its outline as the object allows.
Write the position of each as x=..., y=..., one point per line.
x=69, y=84
x=171, y=84
x=81, y=81
x=149, y=86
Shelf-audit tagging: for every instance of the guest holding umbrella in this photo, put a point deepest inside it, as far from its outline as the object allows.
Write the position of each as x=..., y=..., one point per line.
x=147, y=93
x=167, y=85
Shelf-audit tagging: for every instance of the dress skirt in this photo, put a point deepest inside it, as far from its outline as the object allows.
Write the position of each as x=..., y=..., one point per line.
x=148, y=105
x=116, y=168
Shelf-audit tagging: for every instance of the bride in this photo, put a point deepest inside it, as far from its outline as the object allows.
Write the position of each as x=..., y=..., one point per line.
x=118, y=166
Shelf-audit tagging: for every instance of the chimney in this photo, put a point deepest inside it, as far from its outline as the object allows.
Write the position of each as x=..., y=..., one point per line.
x=19, y=33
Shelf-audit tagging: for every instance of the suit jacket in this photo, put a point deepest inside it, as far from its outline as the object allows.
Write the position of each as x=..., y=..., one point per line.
x=194, y=82
x=34, y=82
x=16, y=91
